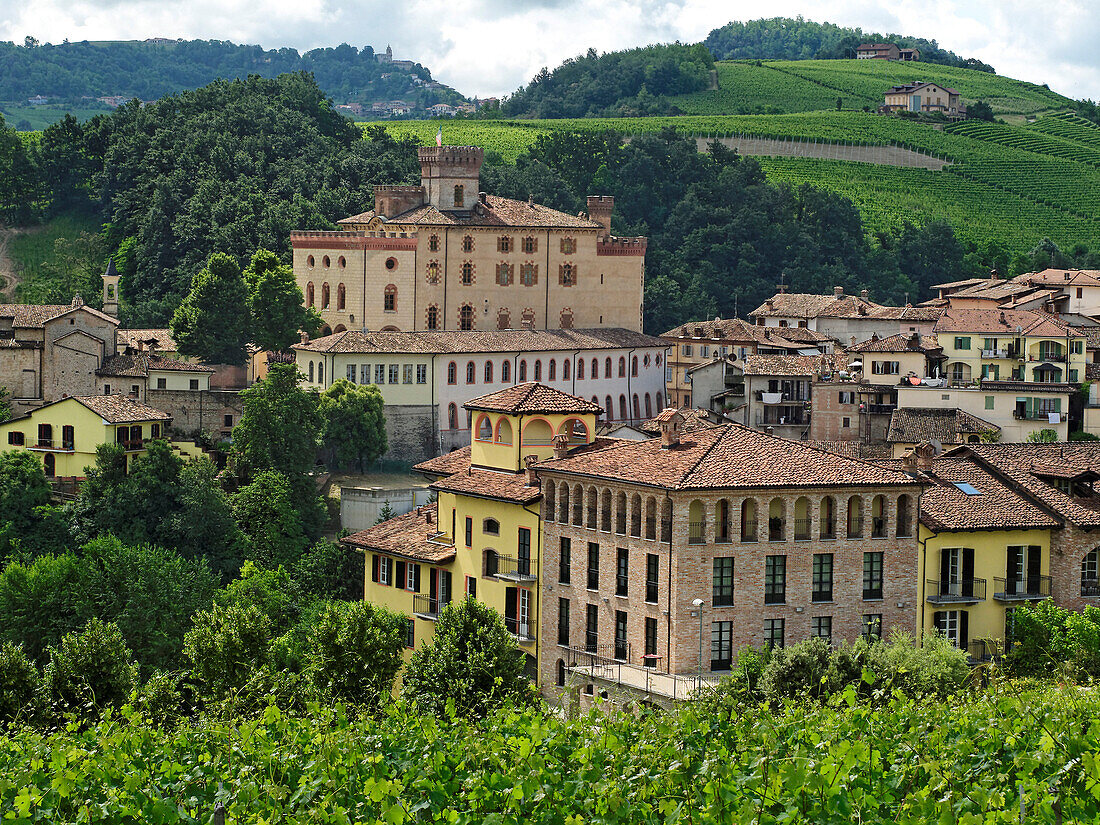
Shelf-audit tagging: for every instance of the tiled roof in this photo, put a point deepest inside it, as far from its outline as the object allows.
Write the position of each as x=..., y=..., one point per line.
x=120, y=409
x=903, y=342
x=959, y=284
x=694, y=419
x=405, y=536
x=943, y=506
x=431, y=342
x=531, y=398
x=161, y=337
x=1003, y=322
x=794, y=365
x=854, y=449
x=910, y=313
x=503, y=486
x=1057, y=277
x=736, y=330
x=809, y=305
x=916, y=424
x=138, y=364
x=728, y=456
x=29, y=316
x=444, y=465
x=1092, y=371
x=494, y=211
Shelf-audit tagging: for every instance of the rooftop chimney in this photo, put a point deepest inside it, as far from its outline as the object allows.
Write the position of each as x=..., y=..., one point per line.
x=529, y=463
x=561, y=445
x=671, y=422
x=77, y=302
x=994, y=274
x=600, y=208
x=305, y=337
x=863, y=294
x=1003, y=317
x=838, y=290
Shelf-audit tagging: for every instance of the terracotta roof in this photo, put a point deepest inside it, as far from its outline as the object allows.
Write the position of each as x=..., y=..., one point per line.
x=737, y=330
x=996, y=290
x=1003, y=322
x=694, y=419
x=910, y=313
x=119, y=409
x=1018, y=462
x=729, y=456
x=161, y=337
x=1092, y=371
x=139, y=364
x=943, y=506
x=795, y=365
x=405, y=536
x=494, y=211
x=444, y=465
x=430, y=342
x=963, y=283
x=854, y=449
x=1057, y=277
x=29, y=316
x=903, y=342
x=916, y=424
x=532, y=398
x=809, y=305
x=495, y=484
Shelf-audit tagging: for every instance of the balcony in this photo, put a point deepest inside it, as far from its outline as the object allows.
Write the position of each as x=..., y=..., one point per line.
x=1022, y=589
x=524, y=631
x=511, y=569
x=995, y=353
x=776, y=529
x=428, y=607
x=855, y=528
x=881, y=409
x=985, y=650
x=1047, y=357
x=599, y=668
x=797, y=417
x=695, y=532
x=961, y=591
x=442, y=538
x=828, y=530
x=802, y=529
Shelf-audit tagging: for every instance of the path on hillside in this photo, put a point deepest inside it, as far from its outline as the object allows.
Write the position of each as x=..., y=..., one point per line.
x=9, y=276
x=778, y=147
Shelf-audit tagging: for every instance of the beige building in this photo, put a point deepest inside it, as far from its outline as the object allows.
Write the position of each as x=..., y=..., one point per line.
x=446, y=256
x=1018, y=409
x=924, y=97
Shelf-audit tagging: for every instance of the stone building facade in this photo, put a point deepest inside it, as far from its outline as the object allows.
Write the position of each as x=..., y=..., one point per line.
x=446, y=256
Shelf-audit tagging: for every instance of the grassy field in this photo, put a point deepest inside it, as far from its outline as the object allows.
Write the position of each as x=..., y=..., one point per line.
x=29, y=249
x=39, y=117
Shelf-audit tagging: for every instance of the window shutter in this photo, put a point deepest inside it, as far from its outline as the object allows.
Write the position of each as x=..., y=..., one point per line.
x=1013, y=564
x=968, y=571
x=510, y=603
x=945, y=566
x=938, y=620
x=416, y=578
x=1034, y=560
x=401, y=574
x=964, y=629
x=445, y=589
x=374, y=567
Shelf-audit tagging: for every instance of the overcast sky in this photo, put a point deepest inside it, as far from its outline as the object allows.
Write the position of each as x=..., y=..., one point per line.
x=491, y=47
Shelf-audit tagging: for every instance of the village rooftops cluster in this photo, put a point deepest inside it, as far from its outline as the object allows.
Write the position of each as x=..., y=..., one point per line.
x=736, y=330
x=1004, y=322
x=33, y=316
x=902, y=342
x=837, y=305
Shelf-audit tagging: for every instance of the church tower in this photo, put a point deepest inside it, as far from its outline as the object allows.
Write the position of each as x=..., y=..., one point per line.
x=110, y=289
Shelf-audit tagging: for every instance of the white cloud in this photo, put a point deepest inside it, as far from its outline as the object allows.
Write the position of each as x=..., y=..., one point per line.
x=493, y=46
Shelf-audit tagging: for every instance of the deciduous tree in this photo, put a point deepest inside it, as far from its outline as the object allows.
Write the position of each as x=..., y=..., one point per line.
x=353, y=427
x=212, y=321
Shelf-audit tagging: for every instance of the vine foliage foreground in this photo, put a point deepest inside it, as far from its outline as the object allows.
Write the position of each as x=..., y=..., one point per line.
x=900, y=760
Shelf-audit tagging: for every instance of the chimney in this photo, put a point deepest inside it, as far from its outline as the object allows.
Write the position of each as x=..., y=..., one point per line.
x=600, y=208
x=914, y=339
x=527, y=323
x=532, y=476
x=304, y=337
x=781, y=289
x=77, y=302
x=1002, y=318
x=561, y=445
x=428, y=515
x=770, y=304
x=863, y=294
x=670, y=429
x=767, y=431
x=838, y=291
x=925, y=453
x=994, y=275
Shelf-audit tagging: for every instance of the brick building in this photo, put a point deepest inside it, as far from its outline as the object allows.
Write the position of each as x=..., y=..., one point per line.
x=779, y=540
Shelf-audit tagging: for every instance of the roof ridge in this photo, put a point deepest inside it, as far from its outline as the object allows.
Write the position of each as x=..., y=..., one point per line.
x=719, y=436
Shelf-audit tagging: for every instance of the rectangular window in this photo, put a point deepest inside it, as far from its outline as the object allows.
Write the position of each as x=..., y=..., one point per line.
x=385, y=570
x=364, y=373
x=872, y=575
x=621, y=649
x=846, y=423
x=162, y=383
x=721, y=645
x=406, y=373
x=379, y=373
x=563, y=622
x=591, y=627
x=704, y=351
x=846, y=397
x=687, y=350
x=469, y=532
x=412, y=577
x=823, y=578
x=523, y=554
x=471, y=587
x=16, y=438
x=773, y=632
x=650, y=658
x=421, y=373
x=962, y=342
x=822, y=627
x=622, y=569
x=565, y=560
x=872, y=626
x=194, y=384
x=652, y=565
x=593, y=565
x=723, y=581
x=775, y=580
x=351, y=373
x=989, y=402
x=393, y=373
x=410, y=632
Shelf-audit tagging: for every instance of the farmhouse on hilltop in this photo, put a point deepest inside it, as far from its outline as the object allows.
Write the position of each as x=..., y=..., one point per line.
x=924, y=97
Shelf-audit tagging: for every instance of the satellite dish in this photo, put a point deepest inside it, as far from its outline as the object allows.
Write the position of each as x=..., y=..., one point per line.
x=937, y=445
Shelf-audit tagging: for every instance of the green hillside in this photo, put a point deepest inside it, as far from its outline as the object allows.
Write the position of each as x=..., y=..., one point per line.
x=787, y=86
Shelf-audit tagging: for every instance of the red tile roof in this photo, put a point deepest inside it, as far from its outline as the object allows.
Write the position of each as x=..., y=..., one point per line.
x=406, y=536
x=943, y=506
x=494, y=211
x=430, y=342
x=119, y=409
x=30, y=316
x=948, y=426
x=1004, y=322
x=494, y=484
x=531, y=398
x=139, y=364
x=902, y=342
x=793, y=365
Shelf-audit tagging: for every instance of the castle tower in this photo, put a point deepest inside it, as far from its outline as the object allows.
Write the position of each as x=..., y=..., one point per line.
x=110, y=289
x=450, y=176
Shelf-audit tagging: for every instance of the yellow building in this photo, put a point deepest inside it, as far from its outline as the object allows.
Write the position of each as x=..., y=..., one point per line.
x=483, y=538
x=984, y=548
x=66, y=433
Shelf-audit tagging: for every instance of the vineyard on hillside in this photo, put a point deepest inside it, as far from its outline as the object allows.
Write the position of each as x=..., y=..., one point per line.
x=1070, y=127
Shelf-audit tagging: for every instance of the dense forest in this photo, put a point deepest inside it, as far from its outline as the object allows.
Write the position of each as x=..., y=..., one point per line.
x=148, y=71
x=785, y=38
x=624, y=84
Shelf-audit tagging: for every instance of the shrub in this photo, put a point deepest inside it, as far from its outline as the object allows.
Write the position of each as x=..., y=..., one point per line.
x=272, y=592
x=804, y=669
x=18, y=683
x=226, y=646
x=936, y=669
x=356, y=651
x=91, y=668
x=1048, y=637
x=161, y=699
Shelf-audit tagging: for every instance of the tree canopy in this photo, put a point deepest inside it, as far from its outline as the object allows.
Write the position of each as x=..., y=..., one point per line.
x=212, y=322
x=276, y=309
x=353, y=427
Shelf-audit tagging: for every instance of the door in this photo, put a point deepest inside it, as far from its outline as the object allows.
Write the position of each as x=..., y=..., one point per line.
x=914, y=103
x=949, y=571
x=510, y=604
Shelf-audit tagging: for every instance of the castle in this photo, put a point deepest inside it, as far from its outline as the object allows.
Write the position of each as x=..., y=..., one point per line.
x=446, y=256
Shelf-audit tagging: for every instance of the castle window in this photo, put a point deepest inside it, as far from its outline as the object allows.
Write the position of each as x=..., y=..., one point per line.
x=433, y=243
x=528, y=316
x=567, y=275
x=325, y=262
x=504, y=274
x=529, y=274
x=538, y=370
x=310, y=262
x=433, y=272
x=552, y=370
x=433, y=317
x=504, y=319
x=452, y=373
x=467, y=273
x=389, y=300
x=530, y=244
x=504, y=244
x=324, y=296
x=622, y=367
x=568, y=246
x=309, y=294
x=466, y=317
x=488, y=372
x=460, y=196
x=471, y=372
x=391, y=263
x=452, y=417
x=341, y=296
x=522, y=371
x=567, y=318
x=505, y=371
x=634, y=367
x=606, y=370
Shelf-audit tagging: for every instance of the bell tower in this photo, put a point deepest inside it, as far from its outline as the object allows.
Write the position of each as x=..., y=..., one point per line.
x=110, y=289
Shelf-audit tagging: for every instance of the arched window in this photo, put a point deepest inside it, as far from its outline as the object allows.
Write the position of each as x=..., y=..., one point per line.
x=324, y=295
x=325, y=262
x=522, y=371
x=505, y=371
x=565, y=369
x=538, y=434
x=721, y=521
x=530, y=244
x=878, y=517
x=620, y=513
x=326, y=330
x=697, y=522
x=466, y=317
x=467, y=273
x=592, y=507
x=777, y=520
x=311, y=372
x=623, y=414
x=802, y=519
x=650, y=518
x=452, y=417
x=309, y=294
x=1090, y=567
x=903, y=521
x=855, y=517
x=433, y=317
x=636, y=406
x=748, y=520
x=320, y=372
x=452, y=373
x=595, y=369
x=552, y=370
x=660, y=402
x=341, y=296
x=484, y=429
x=576, y=431
x=488, y=372
x=342, y=328
x=605, y=511
x=827, y=517
x=504, y=431
x=433, y=272
x=460, y=196
x=471, y=373
x=622, y=367
x=342, y=262
x=433, y=243
x=609, y=408
x=634, y=366
x=549, y=499
x=467, y=243
x=310, y=262
x=538, y=369
x=490, y=526
x=648, y=406
x=389, y=301
x=607, y=368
